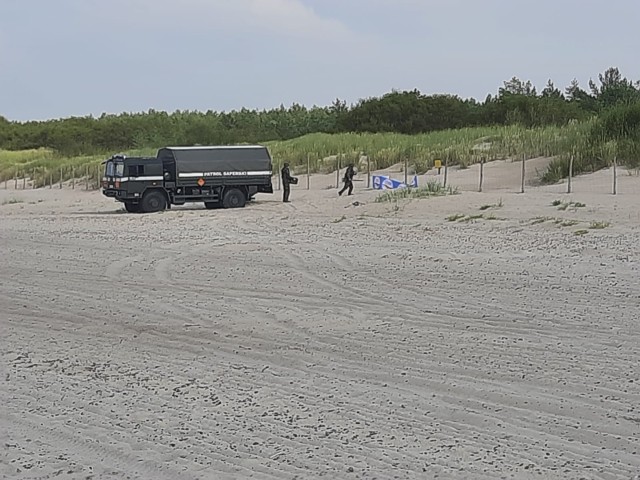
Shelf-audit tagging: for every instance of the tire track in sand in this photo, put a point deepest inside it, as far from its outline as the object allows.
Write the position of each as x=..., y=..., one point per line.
x=99, y=453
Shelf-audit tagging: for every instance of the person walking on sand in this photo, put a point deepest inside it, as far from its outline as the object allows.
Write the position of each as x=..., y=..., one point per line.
x=348, y=180
x=287, y=180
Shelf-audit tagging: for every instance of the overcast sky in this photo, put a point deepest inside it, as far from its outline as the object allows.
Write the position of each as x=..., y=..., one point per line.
x=60, y=58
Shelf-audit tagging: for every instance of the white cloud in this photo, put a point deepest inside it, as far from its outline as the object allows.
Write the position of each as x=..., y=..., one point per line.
x=294, y=18
x=286, y=18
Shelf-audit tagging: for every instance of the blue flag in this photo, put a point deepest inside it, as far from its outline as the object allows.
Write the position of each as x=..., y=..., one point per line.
x=384, y=182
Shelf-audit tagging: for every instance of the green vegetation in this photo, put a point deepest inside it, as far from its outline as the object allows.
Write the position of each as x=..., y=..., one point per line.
x=599, y=225
x=470, y=218
x=45, y=166
x=570, y=223
x=458, y=217
x=461, y=147
x=594, y=127
x=500, y=204
x=457, y=147
x=565, y=205
x=431, y=189
x=539, y=220
x=566, y=223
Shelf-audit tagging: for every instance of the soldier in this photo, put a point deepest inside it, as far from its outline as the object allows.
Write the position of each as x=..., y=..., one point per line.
x=348, y=180
x=287, y=180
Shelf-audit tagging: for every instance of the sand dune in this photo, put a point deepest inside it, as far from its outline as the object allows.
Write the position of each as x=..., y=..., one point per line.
x=322, y=338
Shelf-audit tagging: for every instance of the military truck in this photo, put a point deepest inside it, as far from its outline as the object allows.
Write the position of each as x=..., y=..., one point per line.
x=218, y=176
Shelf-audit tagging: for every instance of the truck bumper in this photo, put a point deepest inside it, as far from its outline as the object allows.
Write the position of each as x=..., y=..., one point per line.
x=119, y=195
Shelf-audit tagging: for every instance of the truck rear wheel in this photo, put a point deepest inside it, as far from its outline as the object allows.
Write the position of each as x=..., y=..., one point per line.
x=234, y=198
x=153, y=201
x=132, y=207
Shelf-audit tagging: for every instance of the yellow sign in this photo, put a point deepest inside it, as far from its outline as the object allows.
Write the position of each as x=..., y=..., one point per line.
x=437, y=164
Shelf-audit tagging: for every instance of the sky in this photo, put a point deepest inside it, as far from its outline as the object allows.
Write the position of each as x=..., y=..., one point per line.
x=62, y=58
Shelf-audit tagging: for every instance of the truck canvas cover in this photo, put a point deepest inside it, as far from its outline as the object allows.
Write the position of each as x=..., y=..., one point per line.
x=227, y=161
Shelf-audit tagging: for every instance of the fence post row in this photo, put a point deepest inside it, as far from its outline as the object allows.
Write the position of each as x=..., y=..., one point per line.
x=48, y=175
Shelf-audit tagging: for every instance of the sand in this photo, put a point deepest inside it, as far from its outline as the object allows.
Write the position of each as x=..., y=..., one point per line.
x=323, y=338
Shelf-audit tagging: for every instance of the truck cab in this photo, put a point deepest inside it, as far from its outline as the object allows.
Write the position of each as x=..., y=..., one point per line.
x=130, y=179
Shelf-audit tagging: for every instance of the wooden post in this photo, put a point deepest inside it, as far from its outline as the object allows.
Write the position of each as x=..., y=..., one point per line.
x=615, y=175
x=24, y=180
x=15, y=180
x=33, y=179
x=524, y=158
x=338, y=171
x=481, y=174
x=406, y=170
x=86, y=177
x=279, y=179
x=50, y=179
x=308, y=172
x=446, y=169
x=570, y=174
x=73, y=178
x=97, y=177
x=368, y=172
x=60, y=176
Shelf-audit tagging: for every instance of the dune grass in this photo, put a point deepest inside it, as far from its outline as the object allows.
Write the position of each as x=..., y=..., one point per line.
x=460, y=147
x=431, y=189
x=325, y=152
x=45, y=166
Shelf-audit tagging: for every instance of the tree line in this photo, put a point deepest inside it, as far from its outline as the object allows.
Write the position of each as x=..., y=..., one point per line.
x=612, y=97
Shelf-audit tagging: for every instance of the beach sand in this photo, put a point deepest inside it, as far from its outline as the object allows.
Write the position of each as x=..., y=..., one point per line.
x=325, y=338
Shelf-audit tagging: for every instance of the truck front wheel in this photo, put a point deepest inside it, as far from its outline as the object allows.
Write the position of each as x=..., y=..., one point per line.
x=153, y=201
x=132, y=207
x=234, y=198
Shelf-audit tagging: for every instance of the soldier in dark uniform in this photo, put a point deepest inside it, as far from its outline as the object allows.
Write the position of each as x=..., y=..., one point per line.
x=348, y=180
x=287, y=180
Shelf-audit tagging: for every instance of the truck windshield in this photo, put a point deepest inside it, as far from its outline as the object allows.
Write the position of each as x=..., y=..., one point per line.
x=114, y=169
